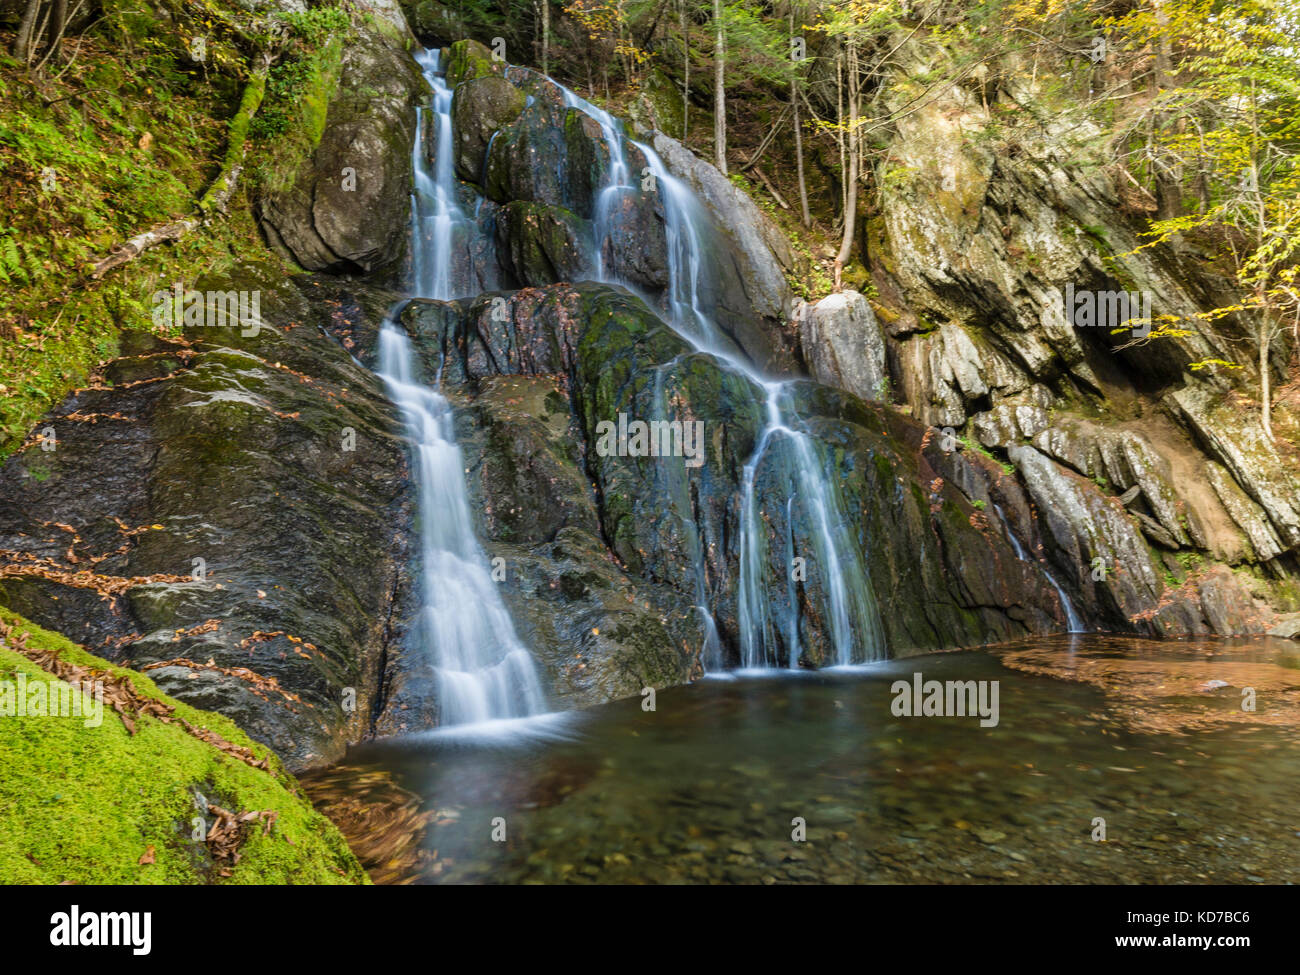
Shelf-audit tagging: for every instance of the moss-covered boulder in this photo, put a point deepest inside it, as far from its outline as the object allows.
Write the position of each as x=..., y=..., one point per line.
x=94, y=795
x=658, y=105
x=347, y=206
x=432, y=21
x=539, y=244
x=466, y=60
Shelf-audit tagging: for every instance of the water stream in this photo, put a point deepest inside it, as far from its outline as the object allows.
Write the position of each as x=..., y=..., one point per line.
x=1074, y=622
x=483, y=670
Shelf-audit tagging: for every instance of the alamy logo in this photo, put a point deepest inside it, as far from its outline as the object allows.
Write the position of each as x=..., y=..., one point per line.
x=37, y=698
x=208, y=309
x=656, y=438
x=946, y=699
x=1108, y=309
x=104, y=929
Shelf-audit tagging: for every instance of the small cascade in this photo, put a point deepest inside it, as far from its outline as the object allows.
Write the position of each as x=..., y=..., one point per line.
x=1073, y=621
x=436, y=215
x=483, y=671
x=618, y=183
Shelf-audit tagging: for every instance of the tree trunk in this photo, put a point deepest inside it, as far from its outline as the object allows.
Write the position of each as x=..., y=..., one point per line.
x=855, y=162
x=1265, y=381
x=58, y=24
x=1168, y=182
x=546, y=37
x=686, y=71
x=839, y=129
x=23, y=39
x=719, y=91
x=804, y=215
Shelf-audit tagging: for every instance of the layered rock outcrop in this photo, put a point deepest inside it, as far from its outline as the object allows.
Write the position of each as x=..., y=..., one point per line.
x=1132, y=457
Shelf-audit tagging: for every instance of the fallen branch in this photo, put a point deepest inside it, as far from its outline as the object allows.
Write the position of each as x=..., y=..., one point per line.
x=770, y=188
x=762, y=178
x=214, y=201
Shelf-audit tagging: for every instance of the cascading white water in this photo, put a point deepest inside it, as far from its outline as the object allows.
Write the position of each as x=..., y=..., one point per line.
x=436, y=215
x=1074, y=623
x=483, y=671
x=851, y=612
x=617, y=183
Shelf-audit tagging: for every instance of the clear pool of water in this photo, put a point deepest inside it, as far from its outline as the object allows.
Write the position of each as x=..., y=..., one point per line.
x=711, y=787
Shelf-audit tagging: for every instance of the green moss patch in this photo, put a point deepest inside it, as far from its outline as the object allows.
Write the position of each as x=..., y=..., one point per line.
x=98, y=805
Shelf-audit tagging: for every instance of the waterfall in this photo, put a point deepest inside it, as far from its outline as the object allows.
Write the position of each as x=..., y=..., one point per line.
x=1073, y=621
x=850, y=608
x=436, y=217
x=483, y=671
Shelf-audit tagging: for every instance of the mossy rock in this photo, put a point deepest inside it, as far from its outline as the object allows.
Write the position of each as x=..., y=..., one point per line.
x=468, y=59
x=479, y=108
x=658, y=105
x=431, y=20
x=539, y=244
x=273, y=459
x=94, y=804
x=345, y=205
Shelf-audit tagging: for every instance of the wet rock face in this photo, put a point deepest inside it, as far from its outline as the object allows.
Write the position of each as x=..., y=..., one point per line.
x=598, y=632
x=590, y=531
x=539, y=244
x=526, y=161
x=348, y=208
x=233, y=516
x=1097, y=547
x=1122, y=459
